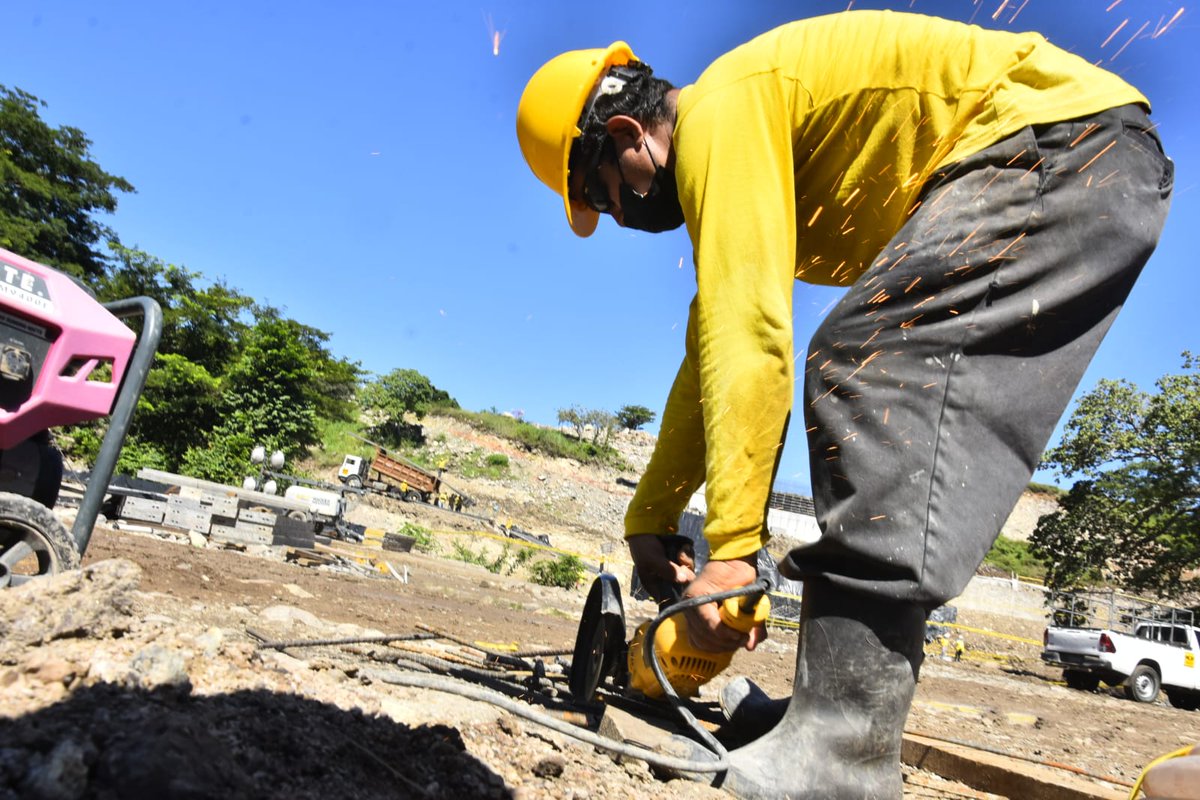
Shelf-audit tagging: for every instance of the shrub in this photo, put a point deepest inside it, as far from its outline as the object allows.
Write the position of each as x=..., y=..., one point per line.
x=425, y=543
x=506, y=563
x=565, y=572
x=1014, y=556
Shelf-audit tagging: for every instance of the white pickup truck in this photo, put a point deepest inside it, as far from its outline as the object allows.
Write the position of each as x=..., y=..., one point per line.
x=1142, y=647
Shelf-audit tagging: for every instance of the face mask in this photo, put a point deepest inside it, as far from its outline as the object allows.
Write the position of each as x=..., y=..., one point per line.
x=658, y=209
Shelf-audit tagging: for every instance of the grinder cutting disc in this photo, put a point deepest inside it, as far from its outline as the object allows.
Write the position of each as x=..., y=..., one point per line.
x=600, y=642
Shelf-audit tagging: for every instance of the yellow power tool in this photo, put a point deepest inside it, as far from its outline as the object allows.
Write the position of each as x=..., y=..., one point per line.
x=601, y=651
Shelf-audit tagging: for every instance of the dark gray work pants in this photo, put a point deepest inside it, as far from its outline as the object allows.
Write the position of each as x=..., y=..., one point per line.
x=935, y=383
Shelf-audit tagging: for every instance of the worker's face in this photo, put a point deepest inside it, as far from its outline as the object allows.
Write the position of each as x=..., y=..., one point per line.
x=625, y=174
x=598, y=184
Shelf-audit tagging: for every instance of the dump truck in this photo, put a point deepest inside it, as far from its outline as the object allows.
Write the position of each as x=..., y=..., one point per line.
x=398, y=478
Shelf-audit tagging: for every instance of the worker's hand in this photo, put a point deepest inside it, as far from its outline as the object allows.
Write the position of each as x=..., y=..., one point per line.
x=705, y=629
x=656, y=571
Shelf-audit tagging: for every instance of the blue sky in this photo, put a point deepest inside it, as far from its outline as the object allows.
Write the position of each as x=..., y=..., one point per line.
x=355, y=163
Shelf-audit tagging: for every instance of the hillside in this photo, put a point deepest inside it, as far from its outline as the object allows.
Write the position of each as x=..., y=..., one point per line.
x=580, y=506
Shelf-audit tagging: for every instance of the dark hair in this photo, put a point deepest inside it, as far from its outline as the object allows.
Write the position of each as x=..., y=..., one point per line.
x=644, y=98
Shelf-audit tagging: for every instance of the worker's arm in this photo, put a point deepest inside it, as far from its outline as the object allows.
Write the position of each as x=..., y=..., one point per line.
x=734, y=150
x=734, y=159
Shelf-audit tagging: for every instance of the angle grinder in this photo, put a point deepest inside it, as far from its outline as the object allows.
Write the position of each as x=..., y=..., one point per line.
x=602, y=652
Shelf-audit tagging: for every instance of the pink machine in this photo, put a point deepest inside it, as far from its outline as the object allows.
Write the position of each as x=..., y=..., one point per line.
x=64, y=358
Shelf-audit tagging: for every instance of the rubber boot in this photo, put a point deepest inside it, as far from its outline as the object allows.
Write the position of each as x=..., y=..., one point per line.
x=840, y=736
x=749, y=712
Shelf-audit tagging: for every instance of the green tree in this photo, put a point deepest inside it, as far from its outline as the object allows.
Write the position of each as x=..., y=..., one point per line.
x=1134, y=516
x=633, y=417
x=52, y=190
x=389, y=398
x=203, y=324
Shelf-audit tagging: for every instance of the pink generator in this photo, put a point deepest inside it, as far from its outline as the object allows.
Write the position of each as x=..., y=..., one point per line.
x=64, y=358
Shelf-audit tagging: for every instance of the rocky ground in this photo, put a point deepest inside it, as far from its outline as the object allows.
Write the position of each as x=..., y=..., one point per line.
x=143, y=675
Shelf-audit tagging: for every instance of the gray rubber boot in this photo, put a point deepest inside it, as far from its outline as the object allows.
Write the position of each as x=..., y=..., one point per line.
x=749, y=712
x=840, y=737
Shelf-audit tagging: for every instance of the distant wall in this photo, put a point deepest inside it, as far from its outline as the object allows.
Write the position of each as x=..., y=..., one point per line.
x=1003, y=596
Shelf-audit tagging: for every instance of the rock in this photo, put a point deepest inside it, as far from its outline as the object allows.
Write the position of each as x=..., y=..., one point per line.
x=296, y=591
x=92, y=602
x=197, y=539
x=157, y=666
x=51, y=669
x=550, y=767
x=292, y=616
x=62, y=774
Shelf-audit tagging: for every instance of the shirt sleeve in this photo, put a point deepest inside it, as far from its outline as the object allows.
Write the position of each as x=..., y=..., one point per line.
x=676, y=468
x=735, y=173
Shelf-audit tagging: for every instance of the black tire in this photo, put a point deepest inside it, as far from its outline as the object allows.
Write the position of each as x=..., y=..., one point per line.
x=1143, y=684
x=296, y=514
x=1083, y=681
x=33, y=542
x=354, y=482
x=1183, y=699
x=413, y=496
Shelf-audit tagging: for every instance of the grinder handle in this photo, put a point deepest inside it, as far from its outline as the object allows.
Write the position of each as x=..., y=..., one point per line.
x=737, y=613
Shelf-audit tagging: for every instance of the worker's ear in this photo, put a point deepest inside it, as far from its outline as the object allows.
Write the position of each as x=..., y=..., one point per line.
x=625, y=130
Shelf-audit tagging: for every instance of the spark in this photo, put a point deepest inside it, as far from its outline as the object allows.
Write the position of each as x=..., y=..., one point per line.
x=1088, y=129
x=878, y=517
x=1021, y=8
x=494, y=34
x=1114, y=5
x=1107, y=147
x=1170, y=22
x=816, y=214
x=374, y=152
x=915, y=281
x=1124, y=22
x=1131, y=38
x=886, y=412
x=1108, y=177
x=1000, y=10
x=909, y=324
x=1007, y=247
x=680, y=263
x=969, y=237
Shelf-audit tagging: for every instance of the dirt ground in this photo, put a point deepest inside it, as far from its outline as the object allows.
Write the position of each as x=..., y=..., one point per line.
x=169, y=696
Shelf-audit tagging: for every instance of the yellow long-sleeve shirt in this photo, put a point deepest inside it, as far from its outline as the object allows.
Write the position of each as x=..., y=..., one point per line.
x=798, y=156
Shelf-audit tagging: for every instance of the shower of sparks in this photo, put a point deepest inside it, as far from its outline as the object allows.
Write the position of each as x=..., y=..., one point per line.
x=494, y=35
x=1160, y=31
x=1131, y=38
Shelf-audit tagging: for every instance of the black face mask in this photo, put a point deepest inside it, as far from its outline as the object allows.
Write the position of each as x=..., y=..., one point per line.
x=658, y=209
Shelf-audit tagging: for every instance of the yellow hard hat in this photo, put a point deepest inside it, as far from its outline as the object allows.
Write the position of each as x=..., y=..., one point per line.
x=548, y=118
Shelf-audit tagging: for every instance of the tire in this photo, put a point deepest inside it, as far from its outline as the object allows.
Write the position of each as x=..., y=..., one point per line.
x=1144, y=684
x=1083, y=681
x=33, y=542
x=354, y=482
x=301, y=516
x=413, y=496
x=1183, y=699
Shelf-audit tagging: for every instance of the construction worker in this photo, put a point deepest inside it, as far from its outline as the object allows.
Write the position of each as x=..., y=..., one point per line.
x=960, y=647
x=988, y=200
